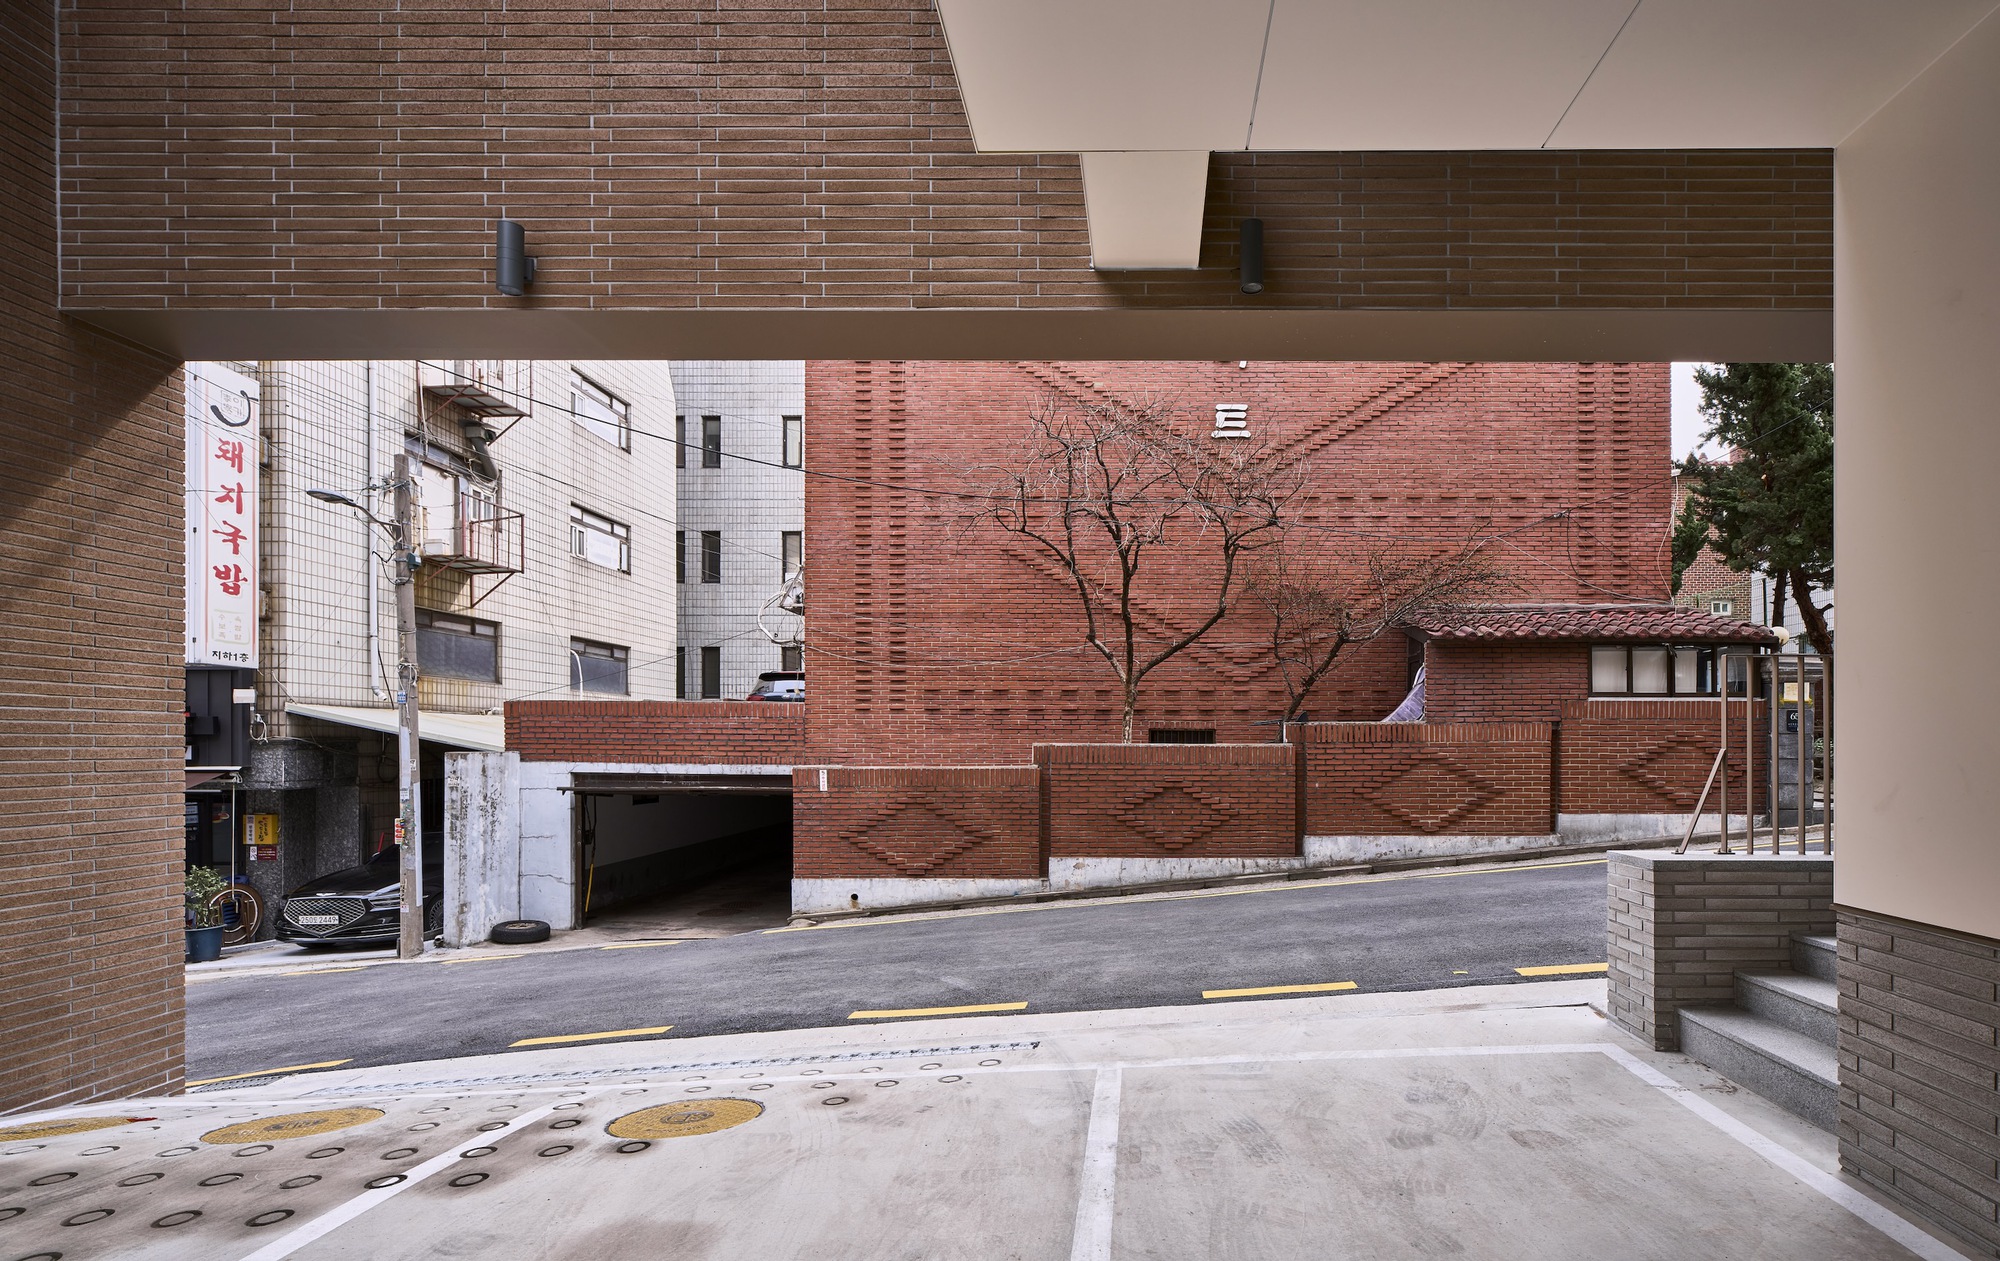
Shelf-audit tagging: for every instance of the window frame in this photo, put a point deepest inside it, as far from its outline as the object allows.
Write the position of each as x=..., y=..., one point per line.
x=1721, y=608
x=581, y=649
x=680, y=556
x=792, y=441
x=580, y=519
x=791, y=554
x=792, y=658
x=680, y=441
x=583, y=390
x=711, y=451
x=1705, y=657
x=680, y=673
x=711, y=557
x=479, y=629
x=711, y=690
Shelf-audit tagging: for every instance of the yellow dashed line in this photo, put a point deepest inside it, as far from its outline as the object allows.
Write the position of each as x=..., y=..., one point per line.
x=1322, y=988
x=591, y=1037
x=937, y=1011
x=269, y=1072
x=1563, y=969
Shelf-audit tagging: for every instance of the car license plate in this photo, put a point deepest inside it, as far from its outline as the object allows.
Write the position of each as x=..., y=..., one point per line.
x=316, y=920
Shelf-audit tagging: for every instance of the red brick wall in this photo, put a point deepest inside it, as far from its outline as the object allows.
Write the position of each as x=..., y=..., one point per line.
x=909, y=822
x=1403, y=779
x=934, y=640
x=1651, y=756
x=1473, y=682
x=91, y=681
x=1170, y=800
x=706, y=732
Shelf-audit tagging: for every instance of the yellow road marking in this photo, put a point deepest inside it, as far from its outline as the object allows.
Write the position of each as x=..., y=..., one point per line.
x=481, y=958
x=269, y=1072
x=1460, y=972
x=636, y=945
x=591, y=1037
x=937, y=1011
x=1563, y=969
x=1321, y=988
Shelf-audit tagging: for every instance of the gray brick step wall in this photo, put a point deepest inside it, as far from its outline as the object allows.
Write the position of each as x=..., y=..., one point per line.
x=1789, y=1068
x=1814, y=955
x=1803, y=1004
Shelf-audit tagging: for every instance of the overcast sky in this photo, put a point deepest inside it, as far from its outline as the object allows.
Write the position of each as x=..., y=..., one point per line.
x=1688, y=423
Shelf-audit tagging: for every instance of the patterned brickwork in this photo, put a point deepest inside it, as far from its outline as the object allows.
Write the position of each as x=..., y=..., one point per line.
x=91, y=682
x=962, y=822
x=1426, y=778
x=1503, y=682
x=1920, y=1069
x=1170, y=800
x=1679, y=927
x=935, y=639
x=1651, y=756
x=709, y=733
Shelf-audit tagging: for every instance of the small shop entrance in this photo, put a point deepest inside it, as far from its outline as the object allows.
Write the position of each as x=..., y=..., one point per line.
x=700, y=856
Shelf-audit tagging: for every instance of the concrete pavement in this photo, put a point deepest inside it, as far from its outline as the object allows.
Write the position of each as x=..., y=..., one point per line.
x=1502, y=1122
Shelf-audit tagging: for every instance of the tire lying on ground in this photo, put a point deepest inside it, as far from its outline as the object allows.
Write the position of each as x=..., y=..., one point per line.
x=518, y=932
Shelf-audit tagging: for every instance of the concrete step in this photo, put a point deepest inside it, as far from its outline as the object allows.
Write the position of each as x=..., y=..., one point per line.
x=1814, y=956
x=1788, y=1068
x=1803, y=1004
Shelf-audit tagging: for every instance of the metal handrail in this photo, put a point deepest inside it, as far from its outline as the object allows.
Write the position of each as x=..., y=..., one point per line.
x=1694, y=820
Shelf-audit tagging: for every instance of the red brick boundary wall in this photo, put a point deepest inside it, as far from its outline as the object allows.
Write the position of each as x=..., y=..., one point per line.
x=710, y=733
x=1650, y=756
x=1416, y=779
x=1170, y=800
x=910, y=822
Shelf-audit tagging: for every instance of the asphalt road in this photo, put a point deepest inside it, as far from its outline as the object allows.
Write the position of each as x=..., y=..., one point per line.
x=1384, y=933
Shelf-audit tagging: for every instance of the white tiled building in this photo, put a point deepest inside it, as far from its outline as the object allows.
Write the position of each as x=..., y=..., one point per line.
x=742, y=519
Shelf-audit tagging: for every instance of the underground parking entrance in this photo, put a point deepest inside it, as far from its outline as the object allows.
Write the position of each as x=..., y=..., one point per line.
x=682, y=855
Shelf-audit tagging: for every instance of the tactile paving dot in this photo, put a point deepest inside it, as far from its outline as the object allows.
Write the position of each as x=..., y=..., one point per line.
x=255, y=1149
x=399, y=1153
x=305, y=1180
x=179, y=1151
x=293, y=1125
x=688, y=1117
x=88, y=1216
x=824, y=1085
x=557, y=1150
x=324, y=1152
x=494, y=1125
x=423, y=1125
x=181, y=1218
x=10, y=1211
x=474, y=1153
x=221, y=1179
x=952, y=1077
x=468, y=1179
x=567, y=1123
x=834, y=1100
x=271, y=1218
x=50, y=1179
x=386, y=1180
x=98, y=1151
x=140, y=1179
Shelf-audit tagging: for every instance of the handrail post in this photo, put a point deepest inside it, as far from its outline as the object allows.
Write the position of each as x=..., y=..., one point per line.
x=1722, y=750
x=1750, y=675
x=1804, y=746
x=1826, y=735
x=1694, y=820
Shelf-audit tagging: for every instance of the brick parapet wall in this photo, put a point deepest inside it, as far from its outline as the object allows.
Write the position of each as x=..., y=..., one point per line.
x=938, y=822
x=765, y=733
x=1510, y=682
x=1919, y=1069
x=1652, y=756
x=1170, y=800
x=1679, y=927
x=1401, y=779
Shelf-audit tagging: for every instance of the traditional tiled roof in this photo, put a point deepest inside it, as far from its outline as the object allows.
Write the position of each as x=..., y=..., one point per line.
x=1600, y=623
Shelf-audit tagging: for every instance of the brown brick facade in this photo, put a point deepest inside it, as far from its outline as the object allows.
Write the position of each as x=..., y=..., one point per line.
x=90, y=708
x=711, y=733
x=1503, y=682
x=1170, y=800
x=1404, y=779
x=964, y=822
x=1651, y=756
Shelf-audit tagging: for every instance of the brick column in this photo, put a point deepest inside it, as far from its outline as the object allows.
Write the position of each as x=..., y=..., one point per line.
x=1678, y=927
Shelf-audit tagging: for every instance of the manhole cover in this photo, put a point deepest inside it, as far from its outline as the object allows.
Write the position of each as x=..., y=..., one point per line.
x=676, y=1120
x=292, y=1125
x=56, y=1129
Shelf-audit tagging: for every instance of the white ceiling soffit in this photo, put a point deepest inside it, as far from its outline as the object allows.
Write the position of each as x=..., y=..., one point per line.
x=1072, y=76
x=482, y=733
x=1426, y=74
x=1145, y=209
x=1693, y=74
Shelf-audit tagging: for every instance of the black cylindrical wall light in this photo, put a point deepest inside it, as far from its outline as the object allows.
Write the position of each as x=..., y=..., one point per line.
x=1250, y=254
x=513, y=270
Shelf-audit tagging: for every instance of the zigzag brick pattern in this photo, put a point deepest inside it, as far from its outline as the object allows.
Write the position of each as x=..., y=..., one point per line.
x=1170, y=800
x=1402, y=779
x=1650, y=757
x=908, y=822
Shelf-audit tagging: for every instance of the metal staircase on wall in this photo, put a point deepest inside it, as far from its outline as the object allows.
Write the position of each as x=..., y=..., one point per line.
x=1778, y=1038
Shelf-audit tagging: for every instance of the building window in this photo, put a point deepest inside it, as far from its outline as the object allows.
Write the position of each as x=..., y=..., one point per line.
x=1722, y=608
x=711, y=556
x=792, y=657
x=1652, y=670
x=595, y=667
x=791, y=552
x=680, y=442
x=711, y=673
x=600, y=540
x=600, y=411
x=1180, y=735
x=711, y=442
x=794, y=454
x=680, y=674
x=680, y=555
x=451, y=647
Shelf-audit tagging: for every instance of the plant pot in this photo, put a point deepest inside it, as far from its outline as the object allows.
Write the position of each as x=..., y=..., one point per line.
x=204, y=945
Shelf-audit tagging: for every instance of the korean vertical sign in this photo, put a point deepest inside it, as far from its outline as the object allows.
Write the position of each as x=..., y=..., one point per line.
x=221, y=516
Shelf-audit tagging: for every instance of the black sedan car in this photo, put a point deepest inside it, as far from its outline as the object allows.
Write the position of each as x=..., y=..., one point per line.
x=360, y=904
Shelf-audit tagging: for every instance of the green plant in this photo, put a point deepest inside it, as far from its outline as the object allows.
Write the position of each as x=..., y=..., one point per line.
x=198, y=894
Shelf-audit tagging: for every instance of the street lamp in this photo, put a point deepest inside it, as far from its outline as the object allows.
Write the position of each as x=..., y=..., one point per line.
x=409, y=774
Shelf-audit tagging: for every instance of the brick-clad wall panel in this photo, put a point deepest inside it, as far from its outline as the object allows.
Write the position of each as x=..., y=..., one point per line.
x=933, y=639
x=1524, y=682
x=932, y=822
x=713, y=733
x=1919, y=1069
x=726, y=156
x=91, y=682
x=1651, y=757
x=1407, y=779
x=1170, y=800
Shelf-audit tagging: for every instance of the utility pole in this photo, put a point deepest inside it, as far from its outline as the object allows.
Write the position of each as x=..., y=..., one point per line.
x=409, y=772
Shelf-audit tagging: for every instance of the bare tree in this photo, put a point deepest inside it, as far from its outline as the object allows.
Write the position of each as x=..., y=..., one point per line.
x=1321, y=605
x=1099, y=488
